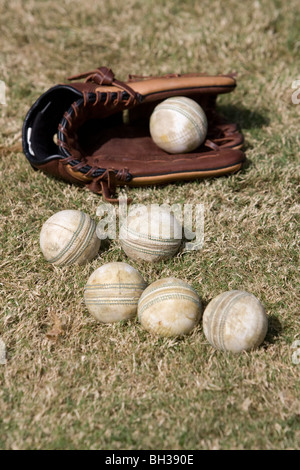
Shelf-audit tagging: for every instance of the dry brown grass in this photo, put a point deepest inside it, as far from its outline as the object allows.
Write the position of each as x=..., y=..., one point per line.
x=71, y=383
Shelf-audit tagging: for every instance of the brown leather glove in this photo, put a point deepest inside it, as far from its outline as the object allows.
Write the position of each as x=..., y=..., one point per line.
x=102, y=131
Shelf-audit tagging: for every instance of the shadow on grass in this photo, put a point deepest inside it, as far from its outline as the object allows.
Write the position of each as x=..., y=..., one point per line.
x=245, y=118
x=105, y=245
x=274, y=330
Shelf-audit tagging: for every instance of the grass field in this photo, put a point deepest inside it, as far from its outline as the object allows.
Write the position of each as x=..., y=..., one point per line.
x=114, y=386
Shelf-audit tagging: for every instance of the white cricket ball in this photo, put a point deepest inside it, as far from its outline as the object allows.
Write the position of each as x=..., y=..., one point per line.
x=169, y=307
x=112, y=292
x=178, y=125
x=69, y=237
x=150, y=233
x=235, y=321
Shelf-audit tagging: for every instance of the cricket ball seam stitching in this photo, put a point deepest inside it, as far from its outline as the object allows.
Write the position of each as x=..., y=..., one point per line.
x=148, y=304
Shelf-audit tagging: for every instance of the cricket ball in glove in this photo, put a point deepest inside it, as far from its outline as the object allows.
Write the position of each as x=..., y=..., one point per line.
x=94, y=131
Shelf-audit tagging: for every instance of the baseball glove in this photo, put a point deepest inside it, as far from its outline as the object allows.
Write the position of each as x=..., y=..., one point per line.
x=96, y=132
